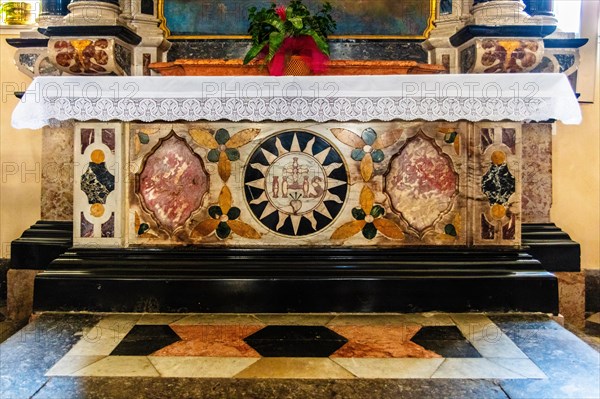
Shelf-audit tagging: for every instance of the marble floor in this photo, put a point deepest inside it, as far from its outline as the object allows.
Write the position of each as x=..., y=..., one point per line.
x=75, y=355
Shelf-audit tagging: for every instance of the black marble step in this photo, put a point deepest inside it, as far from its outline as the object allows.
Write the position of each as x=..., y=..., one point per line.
x=315, y=280
x=118, y=31
x=27, y=43
x=565, y=43
x=472, y=31
x=41, y=244
x=552, y=247
x=246, y=261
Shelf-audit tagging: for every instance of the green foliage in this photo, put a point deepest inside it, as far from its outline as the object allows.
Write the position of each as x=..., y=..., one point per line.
x=269, y=30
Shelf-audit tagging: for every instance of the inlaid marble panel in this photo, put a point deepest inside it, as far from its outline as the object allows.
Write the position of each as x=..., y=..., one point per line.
x=501, y=55
x=96, y=57
x=496, y=184
x=97, y=184
x=290, y=184
x=537, y=172
x=57, y=172
x=172, y=182
x=420, y=173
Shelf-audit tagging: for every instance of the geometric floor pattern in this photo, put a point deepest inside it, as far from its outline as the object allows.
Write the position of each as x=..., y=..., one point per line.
x=301, y=346
x=297, y=356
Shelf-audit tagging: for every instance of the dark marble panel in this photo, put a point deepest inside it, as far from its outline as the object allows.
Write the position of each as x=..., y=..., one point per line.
x=147, y=7
x=188, y=388
x=28, y=60
x=429, y=333
x=545, y=66
x=4, y=266
x=123, y=58
x=446, y=341
x=450, y=348
x=592, y=290
x=145, y=340
x=340, y=49
x=498, y=184
x=295, y=341
x=26, y=356
x=570, y=364
x=565, y=61
x=108, y=228
x=445, y=7
x=97, y=182
x=467, y=59
x=146, y=64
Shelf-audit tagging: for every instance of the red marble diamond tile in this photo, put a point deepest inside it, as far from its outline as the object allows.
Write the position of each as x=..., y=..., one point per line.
x=380, y=342
x=211, y=340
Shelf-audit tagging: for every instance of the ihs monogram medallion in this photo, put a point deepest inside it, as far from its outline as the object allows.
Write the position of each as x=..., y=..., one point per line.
x=296, y=183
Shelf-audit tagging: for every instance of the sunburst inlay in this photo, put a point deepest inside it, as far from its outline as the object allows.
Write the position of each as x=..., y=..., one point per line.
x=296, y=183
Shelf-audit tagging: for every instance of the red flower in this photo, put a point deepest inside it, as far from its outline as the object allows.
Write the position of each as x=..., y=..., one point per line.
x=280, y=10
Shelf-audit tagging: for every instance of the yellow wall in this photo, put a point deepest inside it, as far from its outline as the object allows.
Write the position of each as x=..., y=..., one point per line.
x=20, y=156
x=576, y=173
x=576, y=180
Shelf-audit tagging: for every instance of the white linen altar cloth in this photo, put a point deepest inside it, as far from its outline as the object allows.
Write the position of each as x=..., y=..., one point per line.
x=514, y=97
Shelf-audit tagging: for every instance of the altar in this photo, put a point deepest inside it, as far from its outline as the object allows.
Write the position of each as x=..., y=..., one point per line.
x=297, y=193
x=415, y=175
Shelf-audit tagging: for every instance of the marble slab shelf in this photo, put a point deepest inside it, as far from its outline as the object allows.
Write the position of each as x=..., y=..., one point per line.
x=217, y=67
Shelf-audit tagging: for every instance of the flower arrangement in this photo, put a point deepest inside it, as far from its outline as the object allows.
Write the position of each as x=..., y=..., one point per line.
x=279, y=32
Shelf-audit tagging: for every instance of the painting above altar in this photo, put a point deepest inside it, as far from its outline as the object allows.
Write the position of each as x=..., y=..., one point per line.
x=367, y=19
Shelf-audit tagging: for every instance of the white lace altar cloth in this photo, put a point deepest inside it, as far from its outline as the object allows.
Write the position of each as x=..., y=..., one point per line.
x=513, y=97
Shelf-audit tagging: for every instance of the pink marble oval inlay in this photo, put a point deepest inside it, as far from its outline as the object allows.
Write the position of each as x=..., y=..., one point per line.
x=421, y=183
x=173, y=183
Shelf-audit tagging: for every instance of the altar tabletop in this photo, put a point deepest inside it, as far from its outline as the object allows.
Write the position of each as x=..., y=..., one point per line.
x=513, y=97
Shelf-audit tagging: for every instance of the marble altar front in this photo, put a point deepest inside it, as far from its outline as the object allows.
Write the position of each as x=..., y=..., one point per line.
x=317, y=161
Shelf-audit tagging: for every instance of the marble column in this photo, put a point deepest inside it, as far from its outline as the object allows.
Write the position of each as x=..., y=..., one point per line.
x=115, y=2
x=539, y=7
x=53, y=12
x=93, y=12
x=499, y=12
x=55, y=7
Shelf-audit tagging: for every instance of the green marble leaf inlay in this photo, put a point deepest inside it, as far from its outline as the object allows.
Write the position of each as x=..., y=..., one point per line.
x=144, y=227
x=377, y=156
x=213, y=156
x=144, y=138
x=450, y=230
x=377, y=211
x=215, y=212
x=232, y=154
x=358, y=214
x=369, y=136
x=222, y=136
x=450, y=137
x=234, y=213
x=357, y=154
x=223, y=230
x=369, y=231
